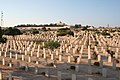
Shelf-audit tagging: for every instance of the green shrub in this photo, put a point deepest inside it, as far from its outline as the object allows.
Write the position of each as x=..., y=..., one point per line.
x=22, y=68
x=34, y=31
x=38, y=41
x=98, y=73
x=3, y=40
x=96, y=63
x=64, y=32
x=72, y=67
x=51, y=44
x=50, y=64
x=12, y=31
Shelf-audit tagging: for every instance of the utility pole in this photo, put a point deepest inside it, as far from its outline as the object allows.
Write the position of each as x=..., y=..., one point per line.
x=1, y=18
x=108, y=25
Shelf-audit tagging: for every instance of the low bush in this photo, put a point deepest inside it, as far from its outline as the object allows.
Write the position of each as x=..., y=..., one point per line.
x=64, y=32
x=3, y=40
x=72, y=67
x=51, y=44
x=96, y=63
x=22, y=68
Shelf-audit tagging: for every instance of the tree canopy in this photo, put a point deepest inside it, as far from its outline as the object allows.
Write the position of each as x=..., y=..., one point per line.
x=12, y=31
x=2, y=39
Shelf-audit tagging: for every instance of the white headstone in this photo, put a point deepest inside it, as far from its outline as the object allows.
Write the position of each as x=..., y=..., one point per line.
x=116, y=55
x=10, y=76
x=1, y=75
x=22, y=57
x=44, y=54
x=0, y=53
x=60, y=50
x=10, y=55
x=52, y=57
x=101, y=63
x=16, y=57
x=38, y=54
x=60, y=57
x=77, y=68
x=109, y=59
x=26, y=67
x=114, y=64
x=74, y=77
x=25, y=52
x=89, y=54
x=89, y=69
x=90, y=79
x=29, y=59
x=57, y=52
x=104, y=72
x=69, y=59
x=37, y=62
x=3, y=61
x=10, y=64
x=59, y=75
x=89, y=62
x=36, y=70
x=5, y=54
x=99, y=57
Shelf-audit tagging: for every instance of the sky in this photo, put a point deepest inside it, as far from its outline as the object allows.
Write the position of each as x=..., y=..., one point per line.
x=85, y=12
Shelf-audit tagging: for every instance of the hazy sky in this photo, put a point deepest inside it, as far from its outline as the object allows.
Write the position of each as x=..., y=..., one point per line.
x=85, y=12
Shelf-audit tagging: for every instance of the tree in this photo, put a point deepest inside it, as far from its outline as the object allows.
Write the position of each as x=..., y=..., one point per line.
x=12, y=31
x=2, y=39
x=0, y=33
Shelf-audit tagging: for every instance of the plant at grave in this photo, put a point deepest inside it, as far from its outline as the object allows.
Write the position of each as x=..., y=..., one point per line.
x=94, y=55
x=67, y=79
x=98, y=72
x=72, y=67
x=75, y=58
x=50, y=64
x=43, y=73
x=96, y=63
x=52, y=44
x=22, y=68
x=112, y=53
